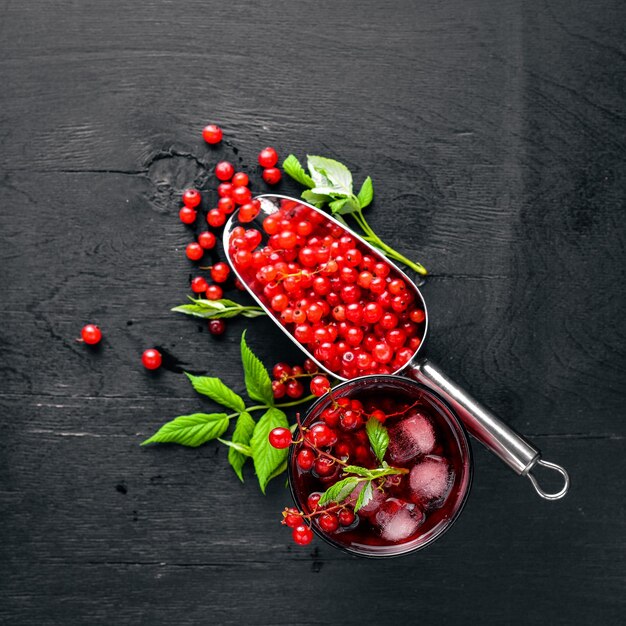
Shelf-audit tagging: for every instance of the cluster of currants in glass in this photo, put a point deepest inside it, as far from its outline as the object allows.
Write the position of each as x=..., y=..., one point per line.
x=351, y=309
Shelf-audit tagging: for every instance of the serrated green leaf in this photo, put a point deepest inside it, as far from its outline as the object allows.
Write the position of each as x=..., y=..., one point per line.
x=315, y=199
x=191, y=430
x=336, y=205
x=292, y=167
x=339, y=491
x=378, y=436
x=242, y=435
x=282, y=468
x=325, y=171
x=215, y=309
x=366, y=193
x=358, y=470
x=237, y=447
x=215, y=389
x=364, y=497
x=258, y=382
x=267, y=459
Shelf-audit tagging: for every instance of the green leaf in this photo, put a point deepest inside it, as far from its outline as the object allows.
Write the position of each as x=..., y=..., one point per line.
x=358, y=470
x=292, y=167
x=315, y=199
x=378, y=436
x=324, y=171
x=366, y=194
x=351, y=205
x=257, y=379
x=339, y=491
x=217, y=390
x=267, y=459
x=191, y=430
x=364, y=497
x=238, y=447
x=337, y=205
x=242, y=436
x=214, y=309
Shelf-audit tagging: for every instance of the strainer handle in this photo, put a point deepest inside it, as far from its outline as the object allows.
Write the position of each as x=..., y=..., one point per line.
x=507, y=444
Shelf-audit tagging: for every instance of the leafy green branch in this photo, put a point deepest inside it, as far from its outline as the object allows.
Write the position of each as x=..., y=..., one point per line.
x=330, y=182
x=249, y=438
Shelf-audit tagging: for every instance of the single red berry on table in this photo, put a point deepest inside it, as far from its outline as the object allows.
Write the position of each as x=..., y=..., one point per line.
x=302, y=535
x=199, y=284
x=91, y=334
x=292, y=517
x=226, y=205
x=280, y=438
x=215, y=218
x=319, y=385
x=151, y=359
x=207, y=240
x=272, y=175
x=192, y=198
x=212, y=134
x=194, y=251
x=187, y=215
x=240, y=179
x=217, y=327
x=220, y=272
x=224, y=190
x=241, y=195
x=214, y=292
x=224, y=170
x=268, y=157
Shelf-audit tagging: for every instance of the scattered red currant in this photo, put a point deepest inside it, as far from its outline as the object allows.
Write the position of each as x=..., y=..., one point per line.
x=280, y=438
x=242, y=195
x=187, y=215
x=207, y=240
x=217, y=327
x=199, y=285
x=220, y=272
x=151, y=359
x=216, y=218
x=91, y=334
x=224, y=170
x=240, y=179
x=192, y=198
x=272, y=175
x=268, y=157
x=194, y=251
x=212, y=134
x=214, y=292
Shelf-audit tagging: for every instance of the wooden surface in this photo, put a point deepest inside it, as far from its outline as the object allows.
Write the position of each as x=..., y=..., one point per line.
x=495, y=135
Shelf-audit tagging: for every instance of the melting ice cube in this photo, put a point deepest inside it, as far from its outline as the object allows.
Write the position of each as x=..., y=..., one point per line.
x=411, y=437
x=430, y=481
x=398, y=520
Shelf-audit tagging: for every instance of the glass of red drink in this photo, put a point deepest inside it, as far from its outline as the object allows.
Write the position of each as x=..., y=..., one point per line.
x=426, y=442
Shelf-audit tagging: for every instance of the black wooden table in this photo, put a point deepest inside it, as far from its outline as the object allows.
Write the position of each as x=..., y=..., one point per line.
x=494, y=132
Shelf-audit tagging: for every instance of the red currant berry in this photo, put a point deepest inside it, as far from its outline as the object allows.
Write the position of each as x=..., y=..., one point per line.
x=91, y=334
x=207, y=240
x=192, y=198
x=330, y=416
x=217, y=327
x=350, y=420
x=328, y=522
x=312, y=500
x=212, y=134
x=346, y=517
x=280, y=438
x=220, y=272
x=240, y=179
x=199, y=285
x=226, y=205
x=216, y=218
x=248, y=212
x=151, y=359
x=242, y=195
x=417, y=316
x=272, y=175
x=187, y=215
x=302, y=535
x=305, y=459
x=224, y=190
x=324, y=466
x=278, y=389
x=214, y=292
x=382, y=352
x=268, y=157
x=321, y=435
x=281, y=370
x=194, y=251
x=319, y=385
x=292, y=518
x=310, y=366
x=294, y=388
x=224, y=170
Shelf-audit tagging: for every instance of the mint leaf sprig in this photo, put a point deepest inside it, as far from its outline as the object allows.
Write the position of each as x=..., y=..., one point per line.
x=215, y=309
x=249, y=438
x=330, y=182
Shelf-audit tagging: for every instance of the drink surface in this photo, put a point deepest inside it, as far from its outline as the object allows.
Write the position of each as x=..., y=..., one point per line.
x=426, y=444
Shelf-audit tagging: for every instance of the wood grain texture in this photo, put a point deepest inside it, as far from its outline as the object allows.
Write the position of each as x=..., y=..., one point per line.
x=495, y=135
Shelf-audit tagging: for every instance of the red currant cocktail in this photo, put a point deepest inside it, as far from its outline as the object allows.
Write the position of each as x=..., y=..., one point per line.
x=427, y=446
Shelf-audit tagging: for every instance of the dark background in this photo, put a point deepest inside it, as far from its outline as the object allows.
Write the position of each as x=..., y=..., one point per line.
x=495, y=135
